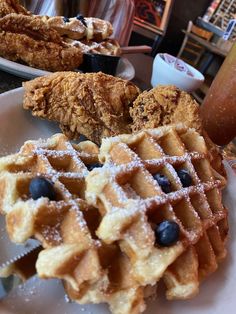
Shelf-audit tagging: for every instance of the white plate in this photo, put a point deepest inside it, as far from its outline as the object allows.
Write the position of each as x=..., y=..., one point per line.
x=217, y=293
x=125, y=69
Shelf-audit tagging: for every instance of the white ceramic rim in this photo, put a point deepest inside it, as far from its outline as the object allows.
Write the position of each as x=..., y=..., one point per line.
x=28, y=72
x=196, y=72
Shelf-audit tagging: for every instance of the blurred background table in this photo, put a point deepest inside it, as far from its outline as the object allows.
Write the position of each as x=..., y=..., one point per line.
x=207, y=44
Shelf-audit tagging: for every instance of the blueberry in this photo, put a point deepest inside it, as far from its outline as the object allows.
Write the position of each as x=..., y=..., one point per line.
x=167, y=233
x=185, y=177
x=42, y=187
x=163, y=182
x=80, y=17
x=92, y=166
x=66, y=19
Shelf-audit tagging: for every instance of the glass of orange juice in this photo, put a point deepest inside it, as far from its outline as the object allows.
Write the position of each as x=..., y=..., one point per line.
x=218, y=110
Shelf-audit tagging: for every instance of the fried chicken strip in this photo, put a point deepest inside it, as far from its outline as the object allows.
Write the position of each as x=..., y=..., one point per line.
x=31, y=26
x=12, y=6
x=93, y=104
x=29, y=39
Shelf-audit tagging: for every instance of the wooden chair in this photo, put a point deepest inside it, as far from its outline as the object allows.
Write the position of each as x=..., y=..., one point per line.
x=190, y=50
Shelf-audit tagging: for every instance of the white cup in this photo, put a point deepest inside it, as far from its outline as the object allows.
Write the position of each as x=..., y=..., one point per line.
x=165, y=74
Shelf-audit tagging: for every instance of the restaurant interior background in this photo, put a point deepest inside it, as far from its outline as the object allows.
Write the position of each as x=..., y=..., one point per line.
x=211, y=19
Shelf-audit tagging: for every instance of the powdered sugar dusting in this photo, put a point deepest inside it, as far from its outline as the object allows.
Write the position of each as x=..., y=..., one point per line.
x=52, y=234
x=57, y=160
x=79, y=217
x=128, y=203
x=130, y=192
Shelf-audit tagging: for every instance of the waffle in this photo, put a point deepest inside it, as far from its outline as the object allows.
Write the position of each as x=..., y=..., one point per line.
x=123, y=294
x=74, y=28
x=66, y=227
x=131, y=203
x=106, y=47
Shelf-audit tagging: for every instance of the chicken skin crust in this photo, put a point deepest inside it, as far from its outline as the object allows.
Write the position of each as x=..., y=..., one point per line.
x=29, y=40
x=162, y=105
x=12, y=6
x=93, y=104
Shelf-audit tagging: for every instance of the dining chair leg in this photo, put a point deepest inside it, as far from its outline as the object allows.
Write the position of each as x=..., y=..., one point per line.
x=156, y=45
x=190, y=24
x=196, y=62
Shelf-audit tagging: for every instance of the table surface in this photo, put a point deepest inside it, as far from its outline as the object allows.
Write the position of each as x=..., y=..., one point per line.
x=207, y=44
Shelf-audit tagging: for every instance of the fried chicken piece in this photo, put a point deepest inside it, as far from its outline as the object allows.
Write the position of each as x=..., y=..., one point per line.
x=31, y=26
x=93, y=104
x=29, y=39
x=168, y=105
x=12, y=6
x=164, y=105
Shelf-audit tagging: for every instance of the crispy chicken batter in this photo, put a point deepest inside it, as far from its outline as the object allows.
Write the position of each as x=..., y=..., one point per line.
x=29, y=39
x=93, y=104
x=12, y=6
x=164, y=105
x=31, y=26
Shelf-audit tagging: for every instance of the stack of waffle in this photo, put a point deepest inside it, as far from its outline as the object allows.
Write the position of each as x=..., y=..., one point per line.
x=89, y=34
x=98, y=234
x=94, y=40
x=132, y=204
x=106, y=47
x=80, y=27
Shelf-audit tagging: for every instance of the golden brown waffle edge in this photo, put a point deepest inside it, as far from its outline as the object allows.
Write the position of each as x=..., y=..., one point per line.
x=66, y=225
x=131, y=202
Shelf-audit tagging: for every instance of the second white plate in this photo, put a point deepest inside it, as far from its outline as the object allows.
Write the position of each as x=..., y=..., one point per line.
x=125, y=69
